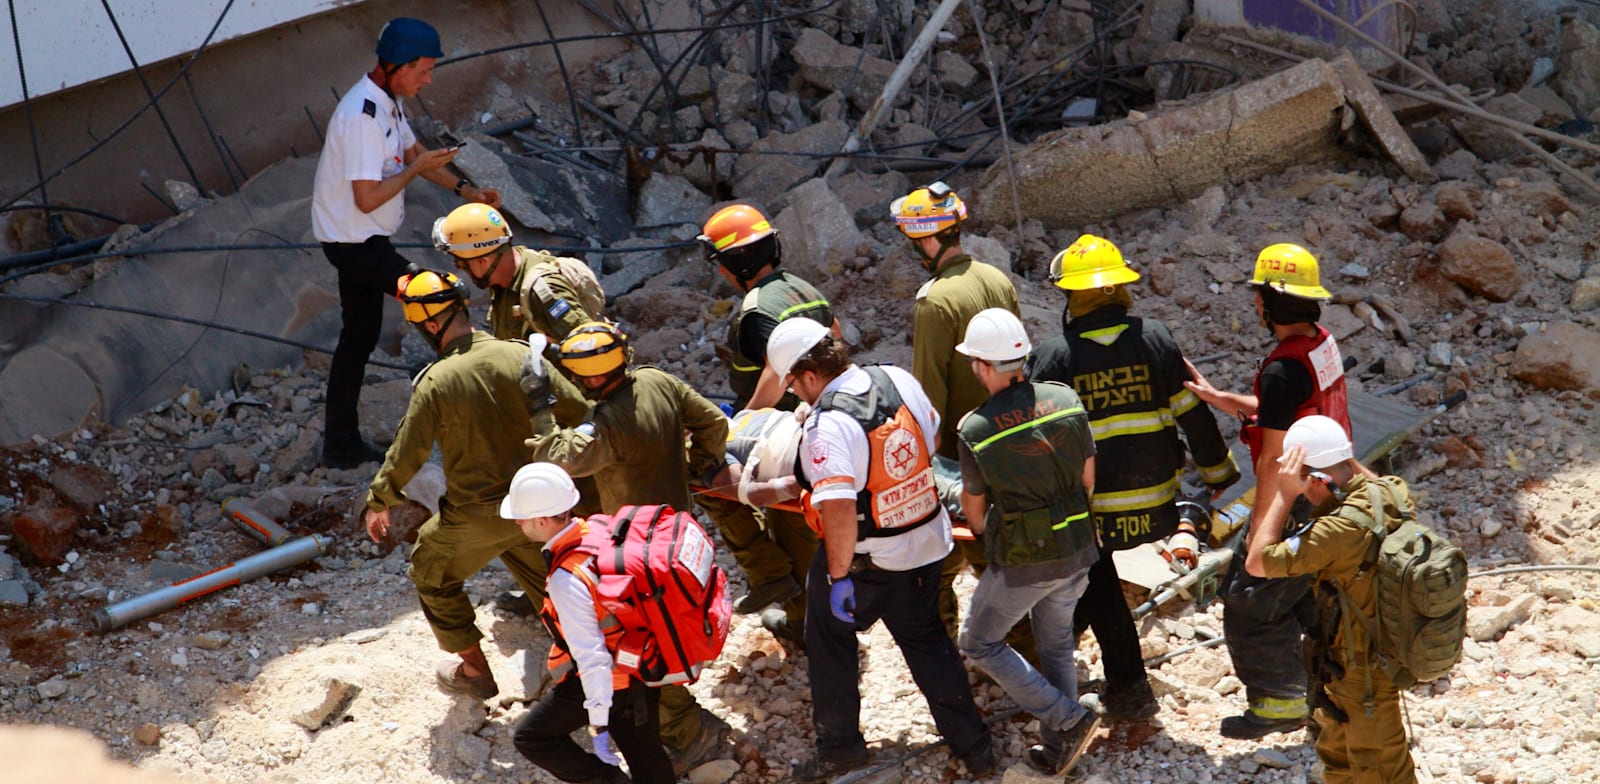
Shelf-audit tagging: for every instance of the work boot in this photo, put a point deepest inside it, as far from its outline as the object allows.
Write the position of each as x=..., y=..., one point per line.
x=342, y=456
x=452, y=679
x=828, y=766
x=980, y=763
x=515, y=602
x=1129, y=702
x=760, y=596
x=777, y=621
x=1253, y=726
x=705, y=747
x=1074, y=742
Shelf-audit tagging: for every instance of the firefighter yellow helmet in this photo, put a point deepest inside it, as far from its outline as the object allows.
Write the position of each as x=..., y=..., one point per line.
x=925, y=212
x=595, y=348
x=426, y=294
x=1290, y=269
x=470, y=231
x=1090, y=263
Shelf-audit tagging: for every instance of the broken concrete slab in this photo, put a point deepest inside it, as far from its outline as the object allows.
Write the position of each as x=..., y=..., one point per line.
x=1479, y=265
x=1492, y=141
x=1363, y=95
x=98, y=364
x=633, y=269
x=818, y=231
x=668, y=201
x=1159, y=22
x=832, y=66
x=1263, y=127
x=767, y=178
x=564, y=200
x=1578, y=66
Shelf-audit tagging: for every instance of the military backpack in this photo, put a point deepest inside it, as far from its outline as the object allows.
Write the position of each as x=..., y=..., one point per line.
x=1420, y=580
x=575, y=272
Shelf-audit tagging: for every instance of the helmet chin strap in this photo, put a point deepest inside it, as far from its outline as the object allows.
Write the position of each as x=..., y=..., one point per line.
x=436, y=339
x=931, y=263
x=483, y=282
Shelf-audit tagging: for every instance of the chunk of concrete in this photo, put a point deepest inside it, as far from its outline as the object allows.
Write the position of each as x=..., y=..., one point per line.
x=767, y=178
x=818, y=231
x=1563, y=356
x=832, y=66
x=1486, y=623
x=1374, y=113
x=667, y=200
x=1479, y=265
x=1263, y=127
x=1578, y=66
x=1491, y=141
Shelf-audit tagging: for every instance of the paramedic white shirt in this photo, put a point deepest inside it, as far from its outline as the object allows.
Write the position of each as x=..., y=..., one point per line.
x=835, y=445
x=367, y=140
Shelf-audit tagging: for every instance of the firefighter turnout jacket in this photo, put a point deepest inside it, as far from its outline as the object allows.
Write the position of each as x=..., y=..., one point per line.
x=1129, y=372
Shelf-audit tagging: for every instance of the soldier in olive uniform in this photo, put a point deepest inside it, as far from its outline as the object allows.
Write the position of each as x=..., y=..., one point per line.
x=474, y=404
x=527, y=292
x=1362, y=738
x=773, y=547
x=634, y=448
x=962, y=286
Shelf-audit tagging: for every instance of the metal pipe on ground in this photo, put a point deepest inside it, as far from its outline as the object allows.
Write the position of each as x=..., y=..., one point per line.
x=256, y=523
x=259, y=565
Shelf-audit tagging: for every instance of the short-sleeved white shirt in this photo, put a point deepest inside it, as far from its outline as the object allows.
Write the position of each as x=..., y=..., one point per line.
x=367, y=140
x=834, y=445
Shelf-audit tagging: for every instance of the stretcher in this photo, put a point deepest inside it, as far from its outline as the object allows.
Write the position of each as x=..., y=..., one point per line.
x=1380, y=425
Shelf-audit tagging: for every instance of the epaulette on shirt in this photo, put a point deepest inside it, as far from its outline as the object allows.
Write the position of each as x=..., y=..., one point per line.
x=369, y=108
x=923, y=292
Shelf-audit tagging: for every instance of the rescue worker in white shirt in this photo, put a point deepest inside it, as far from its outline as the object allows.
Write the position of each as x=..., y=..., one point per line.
x=358, y=200
x=619, y=710
x=1263, y=620
x=866, y=455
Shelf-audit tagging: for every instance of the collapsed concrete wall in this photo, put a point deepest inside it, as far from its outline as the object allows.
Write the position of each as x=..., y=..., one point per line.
x=81, y=363
x=1289, y=118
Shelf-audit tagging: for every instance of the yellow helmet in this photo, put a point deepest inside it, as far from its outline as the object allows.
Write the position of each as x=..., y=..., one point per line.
x=925, y=212
x=595, y=348
x=470, y=231
x=425, y=294
x=1290, y=269
x=1090, y=263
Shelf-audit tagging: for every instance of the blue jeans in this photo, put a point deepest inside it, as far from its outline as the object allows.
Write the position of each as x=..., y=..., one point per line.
x=1050, y=692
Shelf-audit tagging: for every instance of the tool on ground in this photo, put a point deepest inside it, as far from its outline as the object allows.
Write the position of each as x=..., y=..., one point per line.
x=253, y=522
x=259, y=565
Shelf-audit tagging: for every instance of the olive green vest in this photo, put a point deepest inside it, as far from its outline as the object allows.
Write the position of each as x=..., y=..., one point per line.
x=1029, y=443
x=779, y=296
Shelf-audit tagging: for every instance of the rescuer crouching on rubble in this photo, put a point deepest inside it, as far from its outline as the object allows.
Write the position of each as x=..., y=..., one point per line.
x=619, y=710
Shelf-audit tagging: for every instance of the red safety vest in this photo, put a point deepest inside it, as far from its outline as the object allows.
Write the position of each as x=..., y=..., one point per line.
x=566, y=553
x=1319, y=355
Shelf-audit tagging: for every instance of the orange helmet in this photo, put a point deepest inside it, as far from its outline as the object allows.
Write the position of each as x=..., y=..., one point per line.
x=741, y=239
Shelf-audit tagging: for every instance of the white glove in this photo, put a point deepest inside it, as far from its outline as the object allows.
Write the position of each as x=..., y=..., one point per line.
x=802, y=412
x=746, y=476
x=606, y=750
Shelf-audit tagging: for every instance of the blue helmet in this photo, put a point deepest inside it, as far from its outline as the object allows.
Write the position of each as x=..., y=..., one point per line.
x=405, y=39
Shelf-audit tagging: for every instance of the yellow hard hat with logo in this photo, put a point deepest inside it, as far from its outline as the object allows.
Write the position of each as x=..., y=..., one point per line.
x=1290, y=269
x=470, y=231
x=595, y=348
x=1090, y=263
x=925, y=212
x=425, y=294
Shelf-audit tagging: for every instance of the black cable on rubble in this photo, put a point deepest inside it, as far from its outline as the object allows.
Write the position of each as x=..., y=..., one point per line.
x=125, y=123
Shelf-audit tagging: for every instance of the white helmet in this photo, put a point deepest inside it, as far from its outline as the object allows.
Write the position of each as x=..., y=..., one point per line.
x=539, y=490
x=995, y=335
x=790, y=341
x=1322, y=438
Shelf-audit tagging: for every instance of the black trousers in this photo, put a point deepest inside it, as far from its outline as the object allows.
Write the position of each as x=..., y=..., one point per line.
x=367, y=274
x=1262, y=620
x=908, y=604
x=544, y=736
x=1104, y=610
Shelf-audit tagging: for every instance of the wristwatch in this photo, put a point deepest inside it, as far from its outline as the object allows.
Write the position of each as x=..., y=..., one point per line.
x=462, y=183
